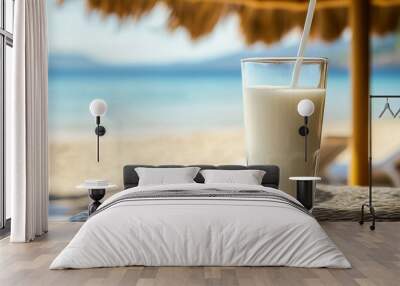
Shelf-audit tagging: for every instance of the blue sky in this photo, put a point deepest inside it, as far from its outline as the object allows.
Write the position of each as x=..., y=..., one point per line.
x=72, y=29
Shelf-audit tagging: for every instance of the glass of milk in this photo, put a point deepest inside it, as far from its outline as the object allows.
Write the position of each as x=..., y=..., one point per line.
x=271, y=119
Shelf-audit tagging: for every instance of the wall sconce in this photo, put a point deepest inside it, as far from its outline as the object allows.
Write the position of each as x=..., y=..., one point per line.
x=305, y=108
x=98, y=108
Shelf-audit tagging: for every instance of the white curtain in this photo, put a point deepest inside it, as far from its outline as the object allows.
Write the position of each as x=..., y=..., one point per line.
x=26, y=123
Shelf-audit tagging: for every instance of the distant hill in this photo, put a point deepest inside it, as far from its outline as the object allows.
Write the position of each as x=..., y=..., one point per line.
x=385, y=55
x=71, y=61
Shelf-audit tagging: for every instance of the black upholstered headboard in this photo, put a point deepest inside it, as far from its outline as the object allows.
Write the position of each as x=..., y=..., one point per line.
x=271, y=177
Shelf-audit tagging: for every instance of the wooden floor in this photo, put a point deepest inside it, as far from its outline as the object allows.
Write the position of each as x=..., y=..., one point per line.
x=375, y=257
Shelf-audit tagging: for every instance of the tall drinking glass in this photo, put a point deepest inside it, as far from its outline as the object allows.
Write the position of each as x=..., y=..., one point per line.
x=271, y=118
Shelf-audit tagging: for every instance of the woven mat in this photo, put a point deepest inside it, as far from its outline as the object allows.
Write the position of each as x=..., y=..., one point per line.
x=340, y=203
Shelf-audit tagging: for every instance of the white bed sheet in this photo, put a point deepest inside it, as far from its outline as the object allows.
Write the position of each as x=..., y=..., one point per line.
x=193, y=231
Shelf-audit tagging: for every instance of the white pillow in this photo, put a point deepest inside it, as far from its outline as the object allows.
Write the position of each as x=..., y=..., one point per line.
x=165, y=176
x=248, y=177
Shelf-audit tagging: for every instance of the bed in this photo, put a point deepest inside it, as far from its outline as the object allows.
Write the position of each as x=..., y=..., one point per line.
x=198, y=224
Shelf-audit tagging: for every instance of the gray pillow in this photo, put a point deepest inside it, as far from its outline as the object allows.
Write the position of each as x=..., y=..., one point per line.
x=247, y=177
x=166, y=176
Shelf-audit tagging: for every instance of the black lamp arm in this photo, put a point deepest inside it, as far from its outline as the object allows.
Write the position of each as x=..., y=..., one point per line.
x=303, y=131
x=99, y=131
x=305, y=138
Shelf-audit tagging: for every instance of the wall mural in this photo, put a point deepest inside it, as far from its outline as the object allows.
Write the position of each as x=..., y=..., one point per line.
x=171, y=100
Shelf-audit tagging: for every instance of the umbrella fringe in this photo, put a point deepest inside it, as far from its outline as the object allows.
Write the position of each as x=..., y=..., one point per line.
x=264, y=21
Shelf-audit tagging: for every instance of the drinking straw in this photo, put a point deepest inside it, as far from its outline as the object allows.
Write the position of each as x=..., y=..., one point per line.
x=303, y=42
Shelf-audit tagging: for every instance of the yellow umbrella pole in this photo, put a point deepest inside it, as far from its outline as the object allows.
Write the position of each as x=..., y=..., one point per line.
x=359, y=23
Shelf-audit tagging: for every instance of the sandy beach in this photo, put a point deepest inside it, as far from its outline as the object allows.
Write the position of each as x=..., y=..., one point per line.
x=74, y=160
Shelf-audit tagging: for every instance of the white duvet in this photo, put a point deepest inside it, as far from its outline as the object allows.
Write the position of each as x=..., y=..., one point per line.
x=200, y=231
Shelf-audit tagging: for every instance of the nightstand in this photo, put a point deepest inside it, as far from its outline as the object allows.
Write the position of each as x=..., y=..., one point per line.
x=96, y=193
x=305, y=190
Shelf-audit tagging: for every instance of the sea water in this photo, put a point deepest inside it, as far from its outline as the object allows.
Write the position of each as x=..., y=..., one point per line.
x=272, y=130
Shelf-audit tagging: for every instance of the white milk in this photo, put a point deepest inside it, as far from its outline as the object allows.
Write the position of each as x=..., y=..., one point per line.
x=271, y=127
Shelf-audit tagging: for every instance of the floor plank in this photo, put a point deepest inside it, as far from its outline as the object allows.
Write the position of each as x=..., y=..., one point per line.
x=375, y=257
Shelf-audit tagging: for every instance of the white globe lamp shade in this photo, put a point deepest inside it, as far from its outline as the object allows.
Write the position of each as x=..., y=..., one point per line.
x=305, y=107
x=98, y=107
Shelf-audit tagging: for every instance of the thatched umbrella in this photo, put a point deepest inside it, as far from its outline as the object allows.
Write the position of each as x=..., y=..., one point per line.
x=260, y=20
x=269, y=20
